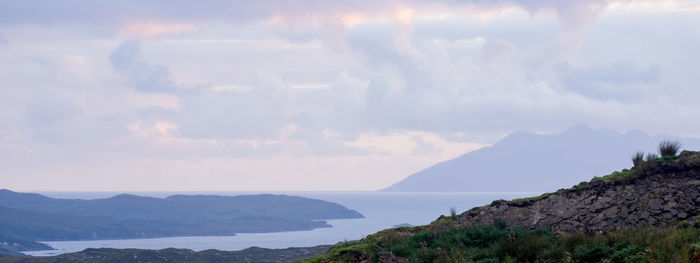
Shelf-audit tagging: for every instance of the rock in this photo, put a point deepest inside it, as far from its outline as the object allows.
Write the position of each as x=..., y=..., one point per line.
x=658, y=200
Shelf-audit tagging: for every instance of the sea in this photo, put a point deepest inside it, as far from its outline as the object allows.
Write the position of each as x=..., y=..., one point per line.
x=382, y=210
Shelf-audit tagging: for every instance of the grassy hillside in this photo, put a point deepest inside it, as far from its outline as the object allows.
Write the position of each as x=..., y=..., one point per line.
x=506, y=243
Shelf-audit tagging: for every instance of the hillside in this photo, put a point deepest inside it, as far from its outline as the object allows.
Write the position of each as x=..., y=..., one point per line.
x=37, y=217
x=253, y=254
x=645, y=214
x=535, y=163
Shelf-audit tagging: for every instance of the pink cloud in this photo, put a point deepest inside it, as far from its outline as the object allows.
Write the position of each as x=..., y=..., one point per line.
x=152, y=29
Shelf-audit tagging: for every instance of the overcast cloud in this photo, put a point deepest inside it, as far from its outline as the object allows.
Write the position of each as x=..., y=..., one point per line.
x=290, y=95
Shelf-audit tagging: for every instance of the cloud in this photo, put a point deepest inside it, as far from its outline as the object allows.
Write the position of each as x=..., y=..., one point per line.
x=145, y=30
x=139, y=74
x=617, y=73
x=474, y=76
x=163, y=17
x=51, y=109
x=115, y=11
x=618, y=80
x=260, y=113
x=53, y=117
x=227, y=90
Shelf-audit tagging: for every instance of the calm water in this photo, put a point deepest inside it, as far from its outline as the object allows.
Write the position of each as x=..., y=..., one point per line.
x=381, y=211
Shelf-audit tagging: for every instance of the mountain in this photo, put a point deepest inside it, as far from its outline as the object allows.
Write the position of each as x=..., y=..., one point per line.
x=36, y=217
x=527, y=162
x=649, y=213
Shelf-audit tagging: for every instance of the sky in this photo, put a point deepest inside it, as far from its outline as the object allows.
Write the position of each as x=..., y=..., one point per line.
x=288, y=95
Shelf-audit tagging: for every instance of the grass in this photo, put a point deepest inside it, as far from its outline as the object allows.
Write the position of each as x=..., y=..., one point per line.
x=669, y=147
x=638, y=159
x=617, y=176
x=501, y=242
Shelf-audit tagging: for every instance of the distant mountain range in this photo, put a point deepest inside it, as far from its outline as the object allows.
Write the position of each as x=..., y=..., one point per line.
x=527, y=162
x=25, y=216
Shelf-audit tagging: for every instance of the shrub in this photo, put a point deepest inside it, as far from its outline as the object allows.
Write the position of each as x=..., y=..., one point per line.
x=669, y=147
x=590, y=253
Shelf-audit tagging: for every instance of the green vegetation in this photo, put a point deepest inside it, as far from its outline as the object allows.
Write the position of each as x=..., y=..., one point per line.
x=618, y=176
x=654, y=163
x=506, y=243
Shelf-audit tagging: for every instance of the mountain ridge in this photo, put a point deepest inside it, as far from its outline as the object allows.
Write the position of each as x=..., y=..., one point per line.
x=528, y=162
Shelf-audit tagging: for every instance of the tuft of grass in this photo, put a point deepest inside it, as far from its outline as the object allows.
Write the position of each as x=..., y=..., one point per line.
x=638, y=159
x=669, y=148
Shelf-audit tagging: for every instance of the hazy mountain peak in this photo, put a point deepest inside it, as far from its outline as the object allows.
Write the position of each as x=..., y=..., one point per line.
x=528, y=162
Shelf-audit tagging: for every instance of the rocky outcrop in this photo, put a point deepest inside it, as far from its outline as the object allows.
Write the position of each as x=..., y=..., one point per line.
x=664, y=196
